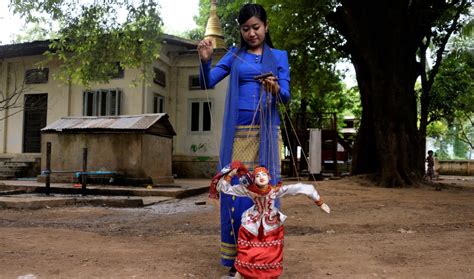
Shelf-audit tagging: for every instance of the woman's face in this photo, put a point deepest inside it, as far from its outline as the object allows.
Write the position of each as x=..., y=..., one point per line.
x=261, y=178
x=253, y=31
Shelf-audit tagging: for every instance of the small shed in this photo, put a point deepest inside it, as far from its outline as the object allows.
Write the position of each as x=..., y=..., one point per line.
x=135, y=146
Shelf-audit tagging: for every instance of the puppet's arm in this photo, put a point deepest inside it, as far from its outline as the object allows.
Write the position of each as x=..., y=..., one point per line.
x=305, y=189
x=225, y=186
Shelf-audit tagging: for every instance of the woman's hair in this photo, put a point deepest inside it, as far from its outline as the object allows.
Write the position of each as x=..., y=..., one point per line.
x=253, y=10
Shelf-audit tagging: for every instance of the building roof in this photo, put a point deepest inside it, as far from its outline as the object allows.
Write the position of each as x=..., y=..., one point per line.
x=39, y=47
x=157, y=124
x=171, y=39
x=24, y=49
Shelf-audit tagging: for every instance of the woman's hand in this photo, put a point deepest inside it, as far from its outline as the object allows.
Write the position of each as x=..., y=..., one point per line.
x=205, y=50
x=232, y=173
x=271, y=85
x=228, y=177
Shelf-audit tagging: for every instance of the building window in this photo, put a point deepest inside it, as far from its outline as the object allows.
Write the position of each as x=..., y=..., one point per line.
x=194, y=83
x=158, y=104
x=118, y=72
x=101, y=102
x=36, y=76
x=160, y=77
x=200, y=115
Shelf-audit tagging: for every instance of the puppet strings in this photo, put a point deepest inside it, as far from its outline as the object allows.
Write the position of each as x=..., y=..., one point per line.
x=285, y=128
x=214, y=132
x=262, y=116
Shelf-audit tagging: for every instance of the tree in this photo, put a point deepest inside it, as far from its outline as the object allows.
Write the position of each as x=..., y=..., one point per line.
x=457, y=135
x=465, y=135
x=92, y=39
x=437, y=39
x=312, y=45
x=13, y=101
x=383, y=38
x=452, y=95
x=310, y=41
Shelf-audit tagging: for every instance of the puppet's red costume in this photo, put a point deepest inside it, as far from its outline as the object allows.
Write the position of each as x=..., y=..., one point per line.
x=260, y=237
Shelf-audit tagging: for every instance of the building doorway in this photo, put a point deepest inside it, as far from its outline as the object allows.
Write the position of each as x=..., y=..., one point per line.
x=34, y=115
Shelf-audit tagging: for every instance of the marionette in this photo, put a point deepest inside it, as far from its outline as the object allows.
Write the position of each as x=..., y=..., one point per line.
x=261, y=234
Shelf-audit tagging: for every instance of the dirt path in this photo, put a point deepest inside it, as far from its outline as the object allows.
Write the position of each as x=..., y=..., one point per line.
x=371, y=232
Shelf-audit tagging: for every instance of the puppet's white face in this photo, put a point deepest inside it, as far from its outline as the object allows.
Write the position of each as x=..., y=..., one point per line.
x=261, y=178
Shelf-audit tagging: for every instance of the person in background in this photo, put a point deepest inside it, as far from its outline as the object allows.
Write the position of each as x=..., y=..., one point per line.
x=430, y=165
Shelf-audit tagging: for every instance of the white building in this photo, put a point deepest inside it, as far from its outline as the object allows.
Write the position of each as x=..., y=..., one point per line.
x=175, y=90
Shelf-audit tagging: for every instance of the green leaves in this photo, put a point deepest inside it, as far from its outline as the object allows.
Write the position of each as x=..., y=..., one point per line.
x=453, y=89
x=452, y=104
x=300, y=27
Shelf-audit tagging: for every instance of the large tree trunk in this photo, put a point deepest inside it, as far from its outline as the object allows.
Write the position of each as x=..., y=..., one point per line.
x=387, y=143
x=382, y=39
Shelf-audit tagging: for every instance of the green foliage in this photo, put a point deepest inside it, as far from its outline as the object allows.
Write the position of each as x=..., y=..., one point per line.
x=299, y=27
x=452, y=102
x=460, y=149
x=453, y=89
x=93, y=38
x=227, y=12
x=201, y=21
x=437, y=102
x=437, y=129
x=352, y=105
x=453, y=140
x=441, y=151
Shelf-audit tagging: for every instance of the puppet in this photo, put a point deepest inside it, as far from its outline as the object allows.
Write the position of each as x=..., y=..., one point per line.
x=261, y=234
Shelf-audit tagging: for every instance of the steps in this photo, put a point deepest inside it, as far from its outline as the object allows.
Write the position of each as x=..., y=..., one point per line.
x=18, y=166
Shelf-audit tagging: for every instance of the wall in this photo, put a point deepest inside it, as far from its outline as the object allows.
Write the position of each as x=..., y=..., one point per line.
x=156, y=158
x=195, y=166
x=196, y=153
x=133, y=155
x=131, y=102
x=12, y=80
x=67, y=99
x=455, y=167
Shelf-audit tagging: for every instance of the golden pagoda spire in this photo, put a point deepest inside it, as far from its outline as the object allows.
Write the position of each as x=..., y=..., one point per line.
x=213, y=28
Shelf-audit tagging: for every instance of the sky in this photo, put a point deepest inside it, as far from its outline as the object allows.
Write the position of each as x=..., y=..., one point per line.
x=177, y=17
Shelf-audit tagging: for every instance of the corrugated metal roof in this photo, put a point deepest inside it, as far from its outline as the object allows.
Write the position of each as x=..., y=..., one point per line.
x=123, y=122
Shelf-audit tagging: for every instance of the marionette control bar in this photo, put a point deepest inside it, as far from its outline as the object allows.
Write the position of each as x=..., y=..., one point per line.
x=262, y=76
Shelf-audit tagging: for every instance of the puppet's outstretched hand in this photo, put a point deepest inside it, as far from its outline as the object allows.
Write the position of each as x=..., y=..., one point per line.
x=324, y=207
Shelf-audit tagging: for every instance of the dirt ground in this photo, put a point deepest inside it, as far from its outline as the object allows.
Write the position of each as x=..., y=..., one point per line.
x=371, y=232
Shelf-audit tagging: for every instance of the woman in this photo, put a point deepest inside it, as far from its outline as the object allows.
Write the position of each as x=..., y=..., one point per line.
x=250, y=130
